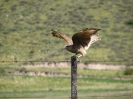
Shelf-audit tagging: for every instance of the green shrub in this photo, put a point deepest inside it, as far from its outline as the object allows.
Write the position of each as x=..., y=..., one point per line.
x=130, y=22
x=23, y=70
x=2, y=71
x=128, y=71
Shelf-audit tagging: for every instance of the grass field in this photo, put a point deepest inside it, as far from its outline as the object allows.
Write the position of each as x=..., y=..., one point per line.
x=25, y=35
x=50, y=87
x=97, y=84
x=66, y=95
x=26, y=29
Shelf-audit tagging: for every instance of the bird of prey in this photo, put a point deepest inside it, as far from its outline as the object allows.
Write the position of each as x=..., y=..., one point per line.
x=80, y=41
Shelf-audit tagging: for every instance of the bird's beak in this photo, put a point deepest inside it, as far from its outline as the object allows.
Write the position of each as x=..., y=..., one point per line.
x=98, y=29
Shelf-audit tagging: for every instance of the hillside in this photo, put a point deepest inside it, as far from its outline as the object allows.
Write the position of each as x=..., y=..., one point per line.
x=25, y=29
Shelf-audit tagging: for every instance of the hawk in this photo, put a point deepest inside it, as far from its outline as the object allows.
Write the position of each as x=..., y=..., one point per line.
x=80, y=41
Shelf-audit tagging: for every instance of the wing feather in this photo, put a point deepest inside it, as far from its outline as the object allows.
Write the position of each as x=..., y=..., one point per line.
x=62, y=36
x=84, y=37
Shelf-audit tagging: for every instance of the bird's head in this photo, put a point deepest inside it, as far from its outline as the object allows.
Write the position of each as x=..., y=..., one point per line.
x=93, y=30
x=67, y=47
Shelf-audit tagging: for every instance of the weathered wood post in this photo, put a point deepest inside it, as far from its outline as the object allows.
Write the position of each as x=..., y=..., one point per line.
x=73, y=77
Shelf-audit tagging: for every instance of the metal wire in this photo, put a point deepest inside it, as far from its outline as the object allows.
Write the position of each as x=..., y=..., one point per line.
x=30, y=61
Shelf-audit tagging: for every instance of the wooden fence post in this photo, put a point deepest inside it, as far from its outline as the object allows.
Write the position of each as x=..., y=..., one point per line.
x=73, y=77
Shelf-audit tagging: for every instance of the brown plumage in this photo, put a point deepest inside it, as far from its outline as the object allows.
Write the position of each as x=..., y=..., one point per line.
x=80, y=41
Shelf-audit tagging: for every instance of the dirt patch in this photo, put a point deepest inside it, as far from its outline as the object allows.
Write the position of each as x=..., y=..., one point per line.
x=80, y=65
x=50, y=74
x=53, y=74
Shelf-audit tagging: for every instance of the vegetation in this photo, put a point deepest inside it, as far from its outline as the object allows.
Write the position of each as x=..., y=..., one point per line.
x=25, y=36
x=25, y=86
x=59, y=71
x=97, y=83
x=128, y=71
x=91, y=83
x=25, y=29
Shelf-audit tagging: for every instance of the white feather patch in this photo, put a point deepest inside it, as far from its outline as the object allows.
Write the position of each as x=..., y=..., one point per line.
x=93, y=39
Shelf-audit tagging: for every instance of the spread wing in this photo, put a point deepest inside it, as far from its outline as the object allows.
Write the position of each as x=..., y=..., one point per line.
x=62, y=36
x=85, y=37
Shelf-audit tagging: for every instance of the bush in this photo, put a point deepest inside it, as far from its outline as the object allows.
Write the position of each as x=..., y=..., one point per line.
x=128, y=71
x=130, y=22
x=2, y=71
x=23, y=70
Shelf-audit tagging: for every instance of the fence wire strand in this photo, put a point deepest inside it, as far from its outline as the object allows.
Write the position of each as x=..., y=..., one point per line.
x=23, y=61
